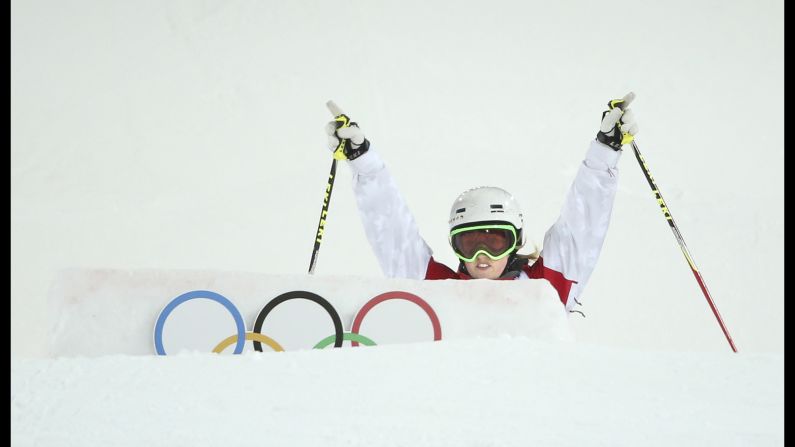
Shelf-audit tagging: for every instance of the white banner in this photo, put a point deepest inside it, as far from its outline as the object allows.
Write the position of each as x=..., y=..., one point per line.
x=102, y=312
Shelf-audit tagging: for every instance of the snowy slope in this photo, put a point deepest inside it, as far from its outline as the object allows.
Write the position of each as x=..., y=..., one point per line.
x=498, y=391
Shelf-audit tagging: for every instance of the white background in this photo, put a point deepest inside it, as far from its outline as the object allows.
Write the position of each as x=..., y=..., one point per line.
x=188, y=135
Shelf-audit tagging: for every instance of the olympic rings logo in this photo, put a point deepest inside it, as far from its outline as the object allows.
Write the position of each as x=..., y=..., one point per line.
x=256, y=336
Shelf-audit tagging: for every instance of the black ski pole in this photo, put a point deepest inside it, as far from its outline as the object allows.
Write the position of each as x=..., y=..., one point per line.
x=681, y=241
x=342, y=121
x=677, y=233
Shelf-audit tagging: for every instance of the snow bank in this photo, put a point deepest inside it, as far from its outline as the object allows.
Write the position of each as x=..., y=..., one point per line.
x=483, y=391
x=102, y=312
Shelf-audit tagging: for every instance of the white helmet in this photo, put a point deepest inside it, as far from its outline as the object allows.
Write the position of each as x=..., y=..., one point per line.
x=487, y=204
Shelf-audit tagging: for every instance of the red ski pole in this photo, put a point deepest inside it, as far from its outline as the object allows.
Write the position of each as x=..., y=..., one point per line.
x=621, y=103
x=681, y=241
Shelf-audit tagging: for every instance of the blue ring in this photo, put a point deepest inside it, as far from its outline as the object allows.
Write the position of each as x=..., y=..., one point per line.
x=161, y=320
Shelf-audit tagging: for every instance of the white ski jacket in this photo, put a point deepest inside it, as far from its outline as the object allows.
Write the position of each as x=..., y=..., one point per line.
x=571, y=245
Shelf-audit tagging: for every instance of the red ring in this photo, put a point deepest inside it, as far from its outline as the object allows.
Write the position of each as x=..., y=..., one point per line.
x=397, y=294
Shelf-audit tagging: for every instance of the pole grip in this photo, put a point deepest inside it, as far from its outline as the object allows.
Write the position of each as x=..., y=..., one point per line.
x=334, y=108
x=622, y=103
x=342, y=121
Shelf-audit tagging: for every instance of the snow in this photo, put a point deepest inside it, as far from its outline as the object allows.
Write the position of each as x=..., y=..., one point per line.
x=173, y=138
x=500, y=391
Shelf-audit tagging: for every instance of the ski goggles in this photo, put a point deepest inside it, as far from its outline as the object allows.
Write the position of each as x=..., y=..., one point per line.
x=495, y=241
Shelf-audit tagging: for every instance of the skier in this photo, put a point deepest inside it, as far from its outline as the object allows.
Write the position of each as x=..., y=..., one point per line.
x=486, y=224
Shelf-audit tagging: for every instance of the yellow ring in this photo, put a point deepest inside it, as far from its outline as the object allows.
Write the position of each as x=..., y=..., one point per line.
x=250, y=336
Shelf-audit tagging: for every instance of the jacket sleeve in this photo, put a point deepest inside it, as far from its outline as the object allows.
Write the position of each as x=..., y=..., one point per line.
x=573, y=243
x=389, y=225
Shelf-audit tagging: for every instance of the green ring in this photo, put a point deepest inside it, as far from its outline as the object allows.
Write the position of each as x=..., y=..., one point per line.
x=350, y=336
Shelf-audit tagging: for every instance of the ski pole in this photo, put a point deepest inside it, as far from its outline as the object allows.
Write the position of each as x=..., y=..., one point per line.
x=342, y=121
x=682, y=245
x=677, y=233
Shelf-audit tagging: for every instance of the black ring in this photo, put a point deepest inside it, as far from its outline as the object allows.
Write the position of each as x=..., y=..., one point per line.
x=335, y=317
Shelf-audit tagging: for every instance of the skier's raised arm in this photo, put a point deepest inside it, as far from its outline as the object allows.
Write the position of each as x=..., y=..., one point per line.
x=573, y=244
x=388, y=223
